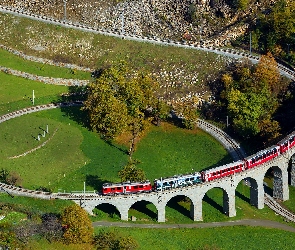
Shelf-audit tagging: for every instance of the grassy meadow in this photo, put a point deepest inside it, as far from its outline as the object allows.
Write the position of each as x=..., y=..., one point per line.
x=236, y=237
x=74, y=154
x=15, y=62
x=16, y=93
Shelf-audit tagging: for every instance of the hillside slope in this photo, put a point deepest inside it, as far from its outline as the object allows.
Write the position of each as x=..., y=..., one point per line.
x=204, y=21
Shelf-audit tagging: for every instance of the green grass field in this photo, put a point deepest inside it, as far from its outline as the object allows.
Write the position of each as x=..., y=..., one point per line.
x=237, y=237
x=74, y=154
x=188, y=67
x=16, y=93
x=12, y=61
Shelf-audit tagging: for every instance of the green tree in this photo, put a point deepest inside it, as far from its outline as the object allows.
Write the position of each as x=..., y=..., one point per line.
x=118, y=99
x=275, y=29
x=77, y=225
x=131, y=172
x=252, y=96
x=187, y=111
x=241, y=4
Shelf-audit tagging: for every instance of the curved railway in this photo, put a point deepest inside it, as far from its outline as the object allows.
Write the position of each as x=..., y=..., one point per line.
x=233, y=147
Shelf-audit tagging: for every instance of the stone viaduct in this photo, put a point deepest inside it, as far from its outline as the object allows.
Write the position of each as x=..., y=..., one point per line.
x=196, y=193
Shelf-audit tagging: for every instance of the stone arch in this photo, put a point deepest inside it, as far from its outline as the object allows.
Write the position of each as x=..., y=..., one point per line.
x=251, y=197
x=181, y=203
x=106, y=208
x=145, y=207
x=278, y=176
x=227, y=199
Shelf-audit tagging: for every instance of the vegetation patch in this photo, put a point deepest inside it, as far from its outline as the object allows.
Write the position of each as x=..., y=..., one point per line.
x=9, y=60
x=237, y=237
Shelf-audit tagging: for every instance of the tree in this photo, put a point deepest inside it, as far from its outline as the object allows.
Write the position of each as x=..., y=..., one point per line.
x=77, y=225
x=241, y=4
x=275, y=29
x=14, y=179
x=187, y=111
x=118, y=99
x=252, y=96
x=130, y=172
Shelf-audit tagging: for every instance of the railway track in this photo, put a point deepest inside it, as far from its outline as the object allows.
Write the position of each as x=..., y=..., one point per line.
x=277, y=208
x=230, y=144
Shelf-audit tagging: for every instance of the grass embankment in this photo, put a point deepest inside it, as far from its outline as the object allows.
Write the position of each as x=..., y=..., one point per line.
x=237, y=237
x=16, y=93
x=31, y=206
x=186, y=69
x=12, y=61
x=75, y=154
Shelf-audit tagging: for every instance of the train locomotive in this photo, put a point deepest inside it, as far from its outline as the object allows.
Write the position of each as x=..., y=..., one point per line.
x=179, y=181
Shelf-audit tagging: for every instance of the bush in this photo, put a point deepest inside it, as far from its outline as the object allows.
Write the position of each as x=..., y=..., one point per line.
x=14, y=179
x=114, y=241
x=3, y=175
x=77, y=225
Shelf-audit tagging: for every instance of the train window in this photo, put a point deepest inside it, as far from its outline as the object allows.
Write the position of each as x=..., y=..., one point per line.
x=233, y=168
x=119, y=188
x=141, y=186
x=113, y=189
x=135, y=187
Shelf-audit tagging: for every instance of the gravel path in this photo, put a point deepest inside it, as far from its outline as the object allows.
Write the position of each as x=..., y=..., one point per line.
x=249, y=222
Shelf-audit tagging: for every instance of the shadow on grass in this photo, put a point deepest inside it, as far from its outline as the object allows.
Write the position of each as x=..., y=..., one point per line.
x=174, y=204
x=108, y=209
x=242, y=197
x=95, y=182
x=268, y=190
x=76, y=114
x=212, y=203
x=141, y=206
x=110, y=143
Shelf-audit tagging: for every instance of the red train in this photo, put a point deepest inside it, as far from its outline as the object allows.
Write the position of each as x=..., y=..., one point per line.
x=126, y=188
x=205, y=176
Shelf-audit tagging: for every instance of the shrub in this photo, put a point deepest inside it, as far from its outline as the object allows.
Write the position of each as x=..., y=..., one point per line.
x=114, y=241
x=14, y=179
x=77, y=225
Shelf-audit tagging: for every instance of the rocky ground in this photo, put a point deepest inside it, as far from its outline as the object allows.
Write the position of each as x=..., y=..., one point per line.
x=202, y=21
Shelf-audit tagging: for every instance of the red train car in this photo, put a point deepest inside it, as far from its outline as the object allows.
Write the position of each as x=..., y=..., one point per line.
x=222, y=171
x=287, y=144
x=262, y=157
x=126, y=188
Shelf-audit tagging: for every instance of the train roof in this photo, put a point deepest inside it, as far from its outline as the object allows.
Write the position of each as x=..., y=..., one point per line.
x=125, y=183
x=261, y=152
x=223, y=167
x=286, y=138
x=171, y=178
